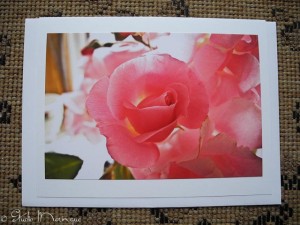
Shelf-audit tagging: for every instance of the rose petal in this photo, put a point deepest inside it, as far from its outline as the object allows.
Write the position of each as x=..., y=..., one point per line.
x=144, y=173
x=231, y=160
x=96, y=102
x=207, y=61
x=179, y=172
x=220, y=144
x=207, y=130
x=241, y=120
x=154, y=100
x=197, y=109
x=246, y=68
x=182, y=145
x=182, y=99
x=150, y=118
x=253, y=95
x=200, y=167
x=179, y=45
x=241, y=163
x=227, y=41
x=104, y=60
x=157, y=135
x=198, y=104
x=247, y=43
x=131, y=154
x=226, y=88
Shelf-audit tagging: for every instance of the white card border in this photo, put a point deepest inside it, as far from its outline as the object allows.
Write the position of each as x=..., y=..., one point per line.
x=93, y=193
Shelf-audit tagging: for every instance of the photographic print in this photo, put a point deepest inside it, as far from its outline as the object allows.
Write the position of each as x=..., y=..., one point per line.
x=150, y=112
x=138, y=105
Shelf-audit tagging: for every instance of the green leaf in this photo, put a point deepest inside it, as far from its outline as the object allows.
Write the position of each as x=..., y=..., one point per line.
x=61, y=166
x=122, y=173
x=116, y=171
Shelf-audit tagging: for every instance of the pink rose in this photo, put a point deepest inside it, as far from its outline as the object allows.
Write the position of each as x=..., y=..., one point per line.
x=142, y=103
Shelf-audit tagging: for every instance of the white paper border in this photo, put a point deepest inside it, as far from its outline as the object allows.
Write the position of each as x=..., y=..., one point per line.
x=36, y=191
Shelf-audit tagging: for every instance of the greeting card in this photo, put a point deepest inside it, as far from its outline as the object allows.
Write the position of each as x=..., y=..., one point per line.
x=150, y=112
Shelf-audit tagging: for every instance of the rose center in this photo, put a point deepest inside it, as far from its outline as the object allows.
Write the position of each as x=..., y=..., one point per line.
x=169, y=98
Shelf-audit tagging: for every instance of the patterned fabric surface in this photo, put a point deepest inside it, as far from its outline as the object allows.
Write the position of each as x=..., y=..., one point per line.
x=287, y=15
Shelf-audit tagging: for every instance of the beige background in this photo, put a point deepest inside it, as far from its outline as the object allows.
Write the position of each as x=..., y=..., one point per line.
x=285, y=13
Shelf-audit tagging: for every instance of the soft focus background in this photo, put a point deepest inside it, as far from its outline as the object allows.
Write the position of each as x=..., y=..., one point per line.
x=66, y=128
x=287, y=15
